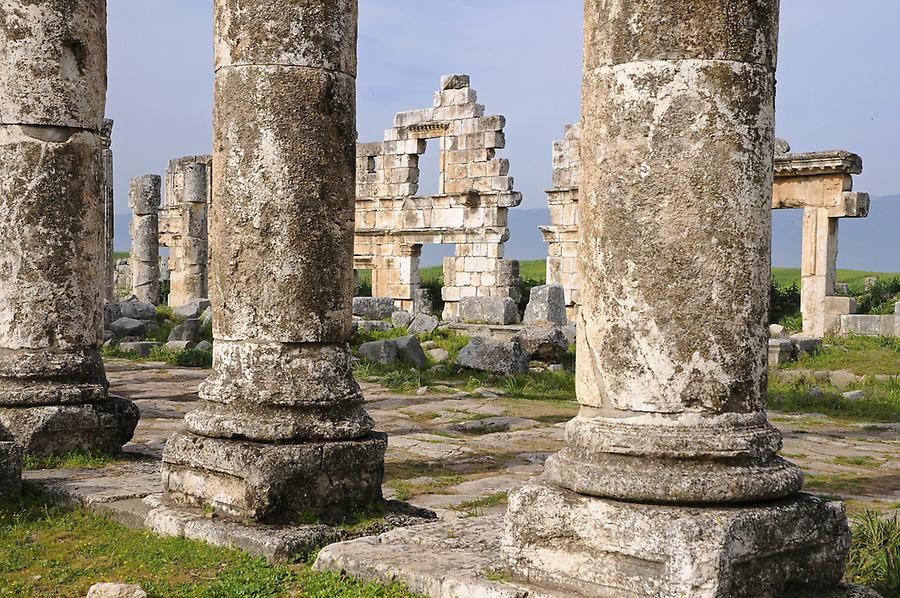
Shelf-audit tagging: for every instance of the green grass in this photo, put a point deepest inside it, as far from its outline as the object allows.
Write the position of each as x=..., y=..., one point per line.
x=862, y=355
x=881, y=403
x=864, y=461
x=70, y=460
x=874, y=559
x=51, y=551
x=476, y=507
x=854, y=278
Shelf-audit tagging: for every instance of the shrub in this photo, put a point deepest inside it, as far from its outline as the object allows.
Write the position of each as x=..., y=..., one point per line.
x=874, y=559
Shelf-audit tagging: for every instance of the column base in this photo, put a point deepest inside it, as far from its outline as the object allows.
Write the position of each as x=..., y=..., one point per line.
x=273, y=483
x=595, y=547
x=10, y=469
x=43, y=430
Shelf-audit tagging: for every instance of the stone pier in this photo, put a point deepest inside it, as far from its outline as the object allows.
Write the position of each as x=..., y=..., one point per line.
x=53, y=389
x=670, y=484
x=281, y=432
x=183, y=227
x=143, y=199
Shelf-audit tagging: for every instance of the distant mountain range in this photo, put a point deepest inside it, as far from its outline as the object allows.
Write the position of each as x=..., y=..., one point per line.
x=871, y=243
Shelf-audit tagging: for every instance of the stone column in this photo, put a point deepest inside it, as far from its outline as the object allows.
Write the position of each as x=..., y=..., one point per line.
x=669, y=484
x=109, y=210
x=281, y=431
x=53, y=389
x=143, y=198
x=194, y=237
x=819, y=267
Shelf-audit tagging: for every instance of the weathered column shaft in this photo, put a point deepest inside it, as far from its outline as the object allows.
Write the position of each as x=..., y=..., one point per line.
x=194, y=234
x=674, y=258
x=281, y=231
x=143, y=198
x=819, y=267
x=52, y=98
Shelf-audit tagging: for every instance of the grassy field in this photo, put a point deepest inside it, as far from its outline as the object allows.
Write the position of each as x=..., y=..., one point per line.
x=50, y=551
x=854, y=278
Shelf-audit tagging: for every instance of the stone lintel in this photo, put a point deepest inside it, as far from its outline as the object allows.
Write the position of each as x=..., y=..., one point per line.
x=812, y=163
x=595, y=547
x=273, y=483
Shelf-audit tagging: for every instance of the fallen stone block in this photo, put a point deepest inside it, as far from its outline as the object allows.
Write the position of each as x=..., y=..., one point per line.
x=192, y=309
x=499, y=311
x=547, y=303
x=132, y=308
x=189, y=330
x=805, y=345
x=781, y=351
x=116, y=590
x=380, y=352
x=204, y=346
x=423, y=302
x=111, y=313
x=373, y=308
x=125, y=327
x=363, y=326
x=401, y=319
x=776, y=331
x=410, y=351
x=423, y=324
x=544, y=342
x=439, y=355
x=491, y=355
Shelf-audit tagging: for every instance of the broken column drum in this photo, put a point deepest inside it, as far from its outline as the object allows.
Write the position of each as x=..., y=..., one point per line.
x=281, y=431
x=143, y=198
x=53, y=389
x=677, y=157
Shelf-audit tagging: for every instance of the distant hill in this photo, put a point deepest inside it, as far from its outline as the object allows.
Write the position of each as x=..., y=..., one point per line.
x=871, y=244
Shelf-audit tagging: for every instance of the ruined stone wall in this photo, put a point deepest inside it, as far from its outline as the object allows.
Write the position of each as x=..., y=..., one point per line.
x=475, y=192
x=561, y=235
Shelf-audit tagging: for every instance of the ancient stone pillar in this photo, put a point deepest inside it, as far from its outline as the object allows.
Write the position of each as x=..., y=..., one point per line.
x=194, y=237
x=143, y=199
x=281, y=431
x=53, y=389
x=674, y=257
x=109, y=212
x=819, y=268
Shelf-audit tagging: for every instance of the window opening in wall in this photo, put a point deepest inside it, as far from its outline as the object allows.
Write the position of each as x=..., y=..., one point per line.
x=370, y=165
x=430, y=174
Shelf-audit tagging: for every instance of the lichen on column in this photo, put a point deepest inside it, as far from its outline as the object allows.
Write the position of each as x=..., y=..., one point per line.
x=281, y=430
x=53, y=389
x=674, y=257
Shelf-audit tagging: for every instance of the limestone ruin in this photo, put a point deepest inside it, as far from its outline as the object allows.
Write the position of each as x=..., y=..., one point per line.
x=819, y=183
x=475, y=192
x=281, y=431
x=53, y=389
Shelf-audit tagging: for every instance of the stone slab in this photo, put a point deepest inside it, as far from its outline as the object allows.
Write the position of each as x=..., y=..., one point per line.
x=439, y=560
x=558, y=539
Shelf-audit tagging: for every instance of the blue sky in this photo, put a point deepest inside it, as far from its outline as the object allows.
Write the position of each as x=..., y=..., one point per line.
x=838, y=77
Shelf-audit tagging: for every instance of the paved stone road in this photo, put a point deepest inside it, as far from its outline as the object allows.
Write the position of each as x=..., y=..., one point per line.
x=457, y=453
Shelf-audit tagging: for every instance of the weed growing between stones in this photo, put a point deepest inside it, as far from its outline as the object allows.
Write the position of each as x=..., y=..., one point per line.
x=52, y=551
x=70, y=460
x=874, y=559
x=190, y=358
x=476, y=507
x=862, y=355
x=880, y=403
